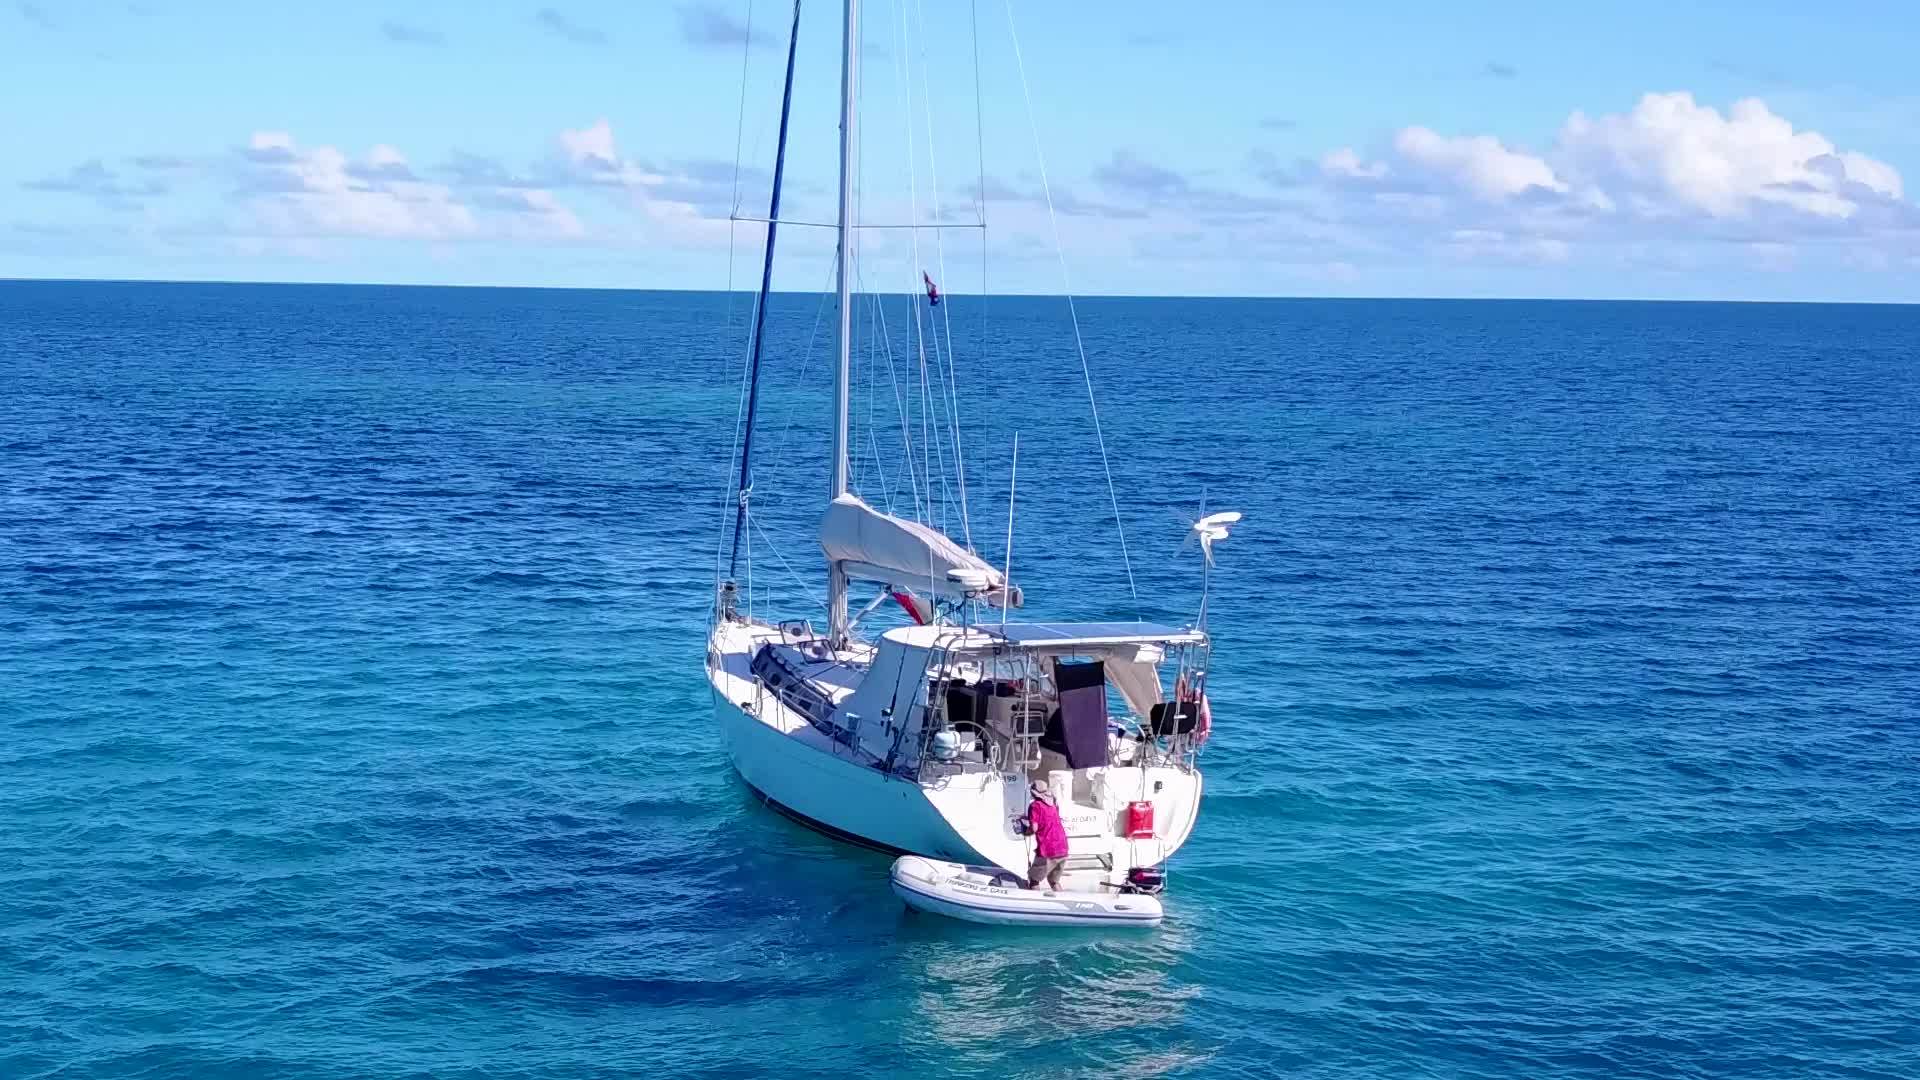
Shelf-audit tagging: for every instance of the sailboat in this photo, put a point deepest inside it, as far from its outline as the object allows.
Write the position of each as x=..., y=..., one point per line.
x=928, y=738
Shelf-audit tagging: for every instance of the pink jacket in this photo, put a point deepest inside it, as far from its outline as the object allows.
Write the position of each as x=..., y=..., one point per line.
x=1048, y=833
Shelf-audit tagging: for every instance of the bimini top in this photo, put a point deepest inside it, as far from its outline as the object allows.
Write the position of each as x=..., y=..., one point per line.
x=987, y=636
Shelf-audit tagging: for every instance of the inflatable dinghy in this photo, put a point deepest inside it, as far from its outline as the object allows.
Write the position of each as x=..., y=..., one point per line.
x=989, y=894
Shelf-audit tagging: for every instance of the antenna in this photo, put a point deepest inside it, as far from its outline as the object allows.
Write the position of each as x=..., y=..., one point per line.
x=1006, y=575
x=1207, y=530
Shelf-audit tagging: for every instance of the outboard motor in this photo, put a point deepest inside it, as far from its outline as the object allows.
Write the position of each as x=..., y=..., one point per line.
x=1150, y=880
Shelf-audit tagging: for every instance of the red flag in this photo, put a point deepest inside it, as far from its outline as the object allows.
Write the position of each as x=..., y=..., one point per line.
x=933, y=291
x=917, y=609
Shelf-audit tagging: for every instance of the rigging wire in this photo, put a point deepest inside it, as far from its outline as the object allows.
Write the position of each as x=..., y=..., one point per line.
x=944, y=360
x=871, y=449
x=797, y=579
x=740, y=124
x=881, y=345
x=727, y=493
x=806, y=358
x=952, y=388
x=979, y=121
x=1079, y=344
x=926, y=424
x=903, y=410
x=869, y=445
x=903, y=73
x=980, y=146
x=886, y=490
x=733, y=456
x=762, y=298
x=857, y=360
x=870, y=226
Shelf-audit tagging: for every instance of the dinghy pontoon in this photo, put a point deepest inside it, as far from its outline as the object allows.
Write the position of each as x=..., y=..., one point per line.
x=989, y=894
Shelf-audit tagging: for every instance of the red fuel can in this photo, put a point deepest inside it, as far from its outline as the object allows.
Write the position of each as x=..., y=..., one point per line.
x=1139, y=820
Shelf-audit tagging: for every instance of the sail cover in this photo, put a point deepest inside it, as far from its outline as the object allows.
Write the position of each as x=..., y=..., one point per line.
x=873, y=546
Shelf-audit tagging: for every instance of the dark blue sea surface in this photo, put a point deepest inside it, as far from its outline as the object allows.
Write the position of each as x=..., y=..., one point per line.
x=352, y=724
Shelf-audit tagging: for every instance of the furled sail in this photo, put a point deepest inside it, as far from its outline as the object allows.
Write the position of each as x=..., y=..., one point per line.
x=873, y=546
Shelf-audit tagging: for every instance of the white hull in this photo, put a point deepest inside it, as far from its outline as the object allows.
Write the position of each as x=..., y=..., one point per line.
x=981, y=895
x=841, y=797
x=963, y=815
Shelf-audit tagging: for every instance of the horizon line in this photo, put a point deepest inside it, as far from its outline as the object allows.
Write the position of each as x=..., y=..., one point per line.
x=1006, y=295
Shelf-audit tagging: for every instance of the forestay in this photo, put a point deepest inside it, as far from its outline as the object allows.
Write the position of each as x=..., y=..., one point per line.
x=872, y=546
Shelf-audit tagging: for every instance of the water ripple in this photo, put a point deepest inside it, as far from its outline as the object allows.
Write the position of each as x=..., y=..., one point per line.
x=349, y=645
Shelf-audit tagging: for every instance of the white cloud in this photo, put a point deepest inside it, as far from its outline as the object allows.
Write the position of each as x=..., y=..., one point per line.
x=1674, y=156
x=686, y=203
x=1423, y=161
x=1876, y=175
x=1479, y=163
x=1668, y=157
x=293, y=191
x=317, y=191
x=383, y=156
x=594, y=158
x=1344, y=162
x=536, y=214
x=1494, y=244
x=1668, y=173
x=591, y=145
x=288, y=191
x=1664, y=182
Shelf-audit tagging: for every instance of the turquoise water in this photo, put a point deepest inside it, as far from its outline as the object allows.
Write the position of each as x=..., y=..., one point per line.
x=1566, y=692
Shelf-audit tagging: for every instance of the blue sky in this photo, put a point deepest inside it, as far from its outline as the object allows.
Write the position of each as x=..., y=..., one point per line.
x=1755, y=150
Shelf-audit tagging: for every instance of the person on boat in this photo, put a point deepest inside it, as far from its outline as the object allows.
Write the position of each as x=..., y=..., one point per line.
x=1049, y=838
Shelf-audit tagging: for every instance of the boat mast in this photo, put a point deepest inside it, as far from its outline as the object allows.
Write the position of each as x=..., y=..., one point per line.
x=849, y=82
x=758, y=341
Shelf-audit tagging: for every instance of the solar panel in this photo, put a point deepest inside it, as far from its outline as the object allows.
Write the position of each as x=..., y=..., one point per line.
x=1046, y=633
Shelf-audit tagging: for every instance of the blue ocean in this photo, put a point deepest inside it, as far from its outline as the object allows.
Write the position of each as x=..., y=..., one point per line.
x=1566, y=691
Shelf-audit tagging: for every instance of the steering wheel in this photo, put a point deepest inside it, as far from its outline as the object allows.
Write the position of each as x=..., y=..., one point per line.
x=988, y=741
